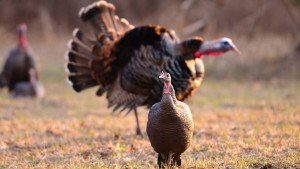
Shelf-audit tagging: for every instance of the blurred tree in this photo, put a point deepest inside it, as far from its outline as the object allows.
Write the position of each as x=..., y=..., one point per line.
x=192, y=16
x=251, y=22
x=289, y=6
x=202, y=23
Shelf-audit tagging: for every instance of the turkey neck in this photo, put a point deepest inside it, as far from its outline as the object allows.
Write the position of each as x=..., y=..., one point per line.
x=169, y=94
x=188, y=47
x=168, y=105
x=22, y=39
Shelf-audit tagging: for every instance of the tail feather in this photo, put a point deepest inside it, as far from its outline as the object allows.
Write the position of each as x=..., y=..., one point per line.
x=102, y=17
x=81, y=49
x=122, y=24
x=99, y=15
x=82, y=81
x=77, y=79
x=89, y=57
x=83, y=38
x=78, y=58
x=90, y=11
x=78, y=69
x=82, y=86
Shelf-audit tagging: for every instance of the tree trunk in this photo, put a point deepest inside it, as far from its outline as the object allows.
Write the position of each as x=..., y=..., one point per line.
x=295, y=50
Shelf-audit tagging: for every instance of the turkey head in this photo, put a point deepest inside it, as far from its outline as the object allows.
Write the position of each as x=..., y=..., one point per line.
x=216, y=47
x=166, y=78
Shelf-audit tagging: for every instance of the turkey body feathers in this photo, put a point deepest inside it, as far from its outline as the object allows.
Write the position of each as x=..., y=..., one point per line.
x=16, y=67
x=144, y=52
x=139, y=56
x=124, y=61
x=168, y=132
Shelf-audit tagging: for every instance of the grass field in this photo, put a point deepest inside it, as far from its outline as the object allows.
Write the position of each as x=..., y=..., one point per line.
x=238, y=124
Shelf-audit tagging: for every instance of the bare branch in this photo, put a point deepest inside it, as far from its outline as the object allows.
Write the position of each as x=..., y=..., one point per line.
x=201, y=23
x=253, y=19
x=289, y=9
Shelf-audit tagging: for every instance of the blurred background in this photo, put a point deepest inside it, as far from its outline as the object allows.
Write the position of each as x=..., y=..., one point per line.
x=246, y=112
x=267, y=32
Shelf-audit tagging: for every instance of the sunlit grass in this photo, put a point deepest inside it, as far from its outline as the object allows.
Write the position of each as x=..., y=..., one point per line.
x=76, y=130
x=238, y=124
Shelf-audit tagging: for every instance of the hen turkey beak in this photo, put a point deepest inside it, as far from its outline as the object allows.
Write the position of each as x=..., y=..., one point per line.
x=161, y=76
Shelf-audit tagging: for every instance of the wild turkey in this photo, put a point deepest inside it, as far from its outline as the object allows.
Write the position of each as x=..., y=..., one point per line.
x=18, y=63
x=170, y=126
x=124, y=60
x=33, y=88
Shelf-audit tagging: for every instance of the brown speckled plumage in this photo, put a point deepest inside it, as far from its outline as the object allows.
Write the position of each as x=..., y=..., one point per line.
x=170, y=128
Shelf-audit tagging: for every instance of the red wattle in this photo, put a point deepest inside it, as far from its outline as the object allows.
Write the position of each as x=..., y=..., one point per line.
x=22, y=40
x=198, y=54
x=211, y=53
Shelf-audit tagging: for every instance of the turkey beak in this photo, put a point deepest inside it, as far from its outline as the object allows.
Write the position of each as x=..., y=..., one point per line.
x=235, y=49
x=161, y=76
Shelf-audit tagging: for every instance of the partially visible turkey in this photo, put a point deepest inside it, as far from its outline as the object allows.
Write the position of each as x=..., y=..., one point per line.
x=170, y=126
x=19, y=63
x=33, y=88
x=123, y=60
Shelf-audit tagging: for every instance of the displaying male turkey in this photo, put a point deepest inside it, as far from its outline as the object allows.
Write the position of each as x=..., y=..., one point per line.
x=123, y=60
x=170, y=126
x=18, y=63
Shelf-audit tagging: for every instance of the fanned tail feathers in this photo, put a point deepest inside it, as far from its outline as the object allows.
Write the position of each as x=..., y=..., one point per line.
x=89, y=59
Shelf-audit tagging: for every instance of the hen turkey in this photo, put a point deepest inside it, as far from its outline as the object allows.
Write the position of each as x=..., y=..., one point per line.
x=18, y=64
x=123, y=60
x=170, y=126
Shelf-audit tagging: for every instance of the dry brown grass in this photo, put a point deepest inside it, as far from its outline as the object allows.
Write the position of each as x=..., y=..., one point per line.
x=238, y=124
